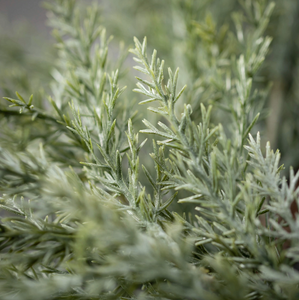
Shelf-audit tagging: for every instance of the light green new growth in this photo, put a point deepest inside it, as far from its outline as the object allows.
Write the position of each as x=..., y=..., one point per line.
x=91, y=212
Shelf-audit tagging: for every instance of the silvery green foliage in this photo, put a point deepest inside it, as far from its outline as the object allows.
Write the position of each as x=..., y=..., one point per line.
x=83, y=223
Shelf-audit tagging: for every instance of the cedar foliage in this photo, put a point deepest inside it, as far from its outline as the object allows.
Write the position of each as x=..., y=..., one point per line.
x=92, y=201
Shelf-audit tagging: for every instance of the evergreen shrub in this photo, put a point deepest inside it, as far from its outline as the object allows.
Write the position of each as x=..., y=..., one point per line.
x=187, y=204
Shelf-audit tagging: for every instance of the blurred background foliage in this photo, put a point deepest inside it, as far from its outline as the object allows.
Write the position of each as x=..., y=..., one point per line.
x=190, y=34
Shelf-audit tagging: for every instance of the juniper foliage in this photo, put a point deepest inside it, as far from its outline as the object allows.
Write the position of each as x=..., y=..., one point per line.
x=89, y=217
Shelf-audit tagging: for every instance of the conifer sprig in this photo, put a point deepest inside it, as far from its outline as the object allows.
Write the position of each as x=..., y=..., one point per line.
x=228, y=220
x=85, y=223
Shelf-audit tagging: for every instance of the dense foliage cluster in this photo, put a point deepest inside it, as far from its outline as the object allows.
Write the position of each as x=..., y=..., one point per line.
x=93, y=204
